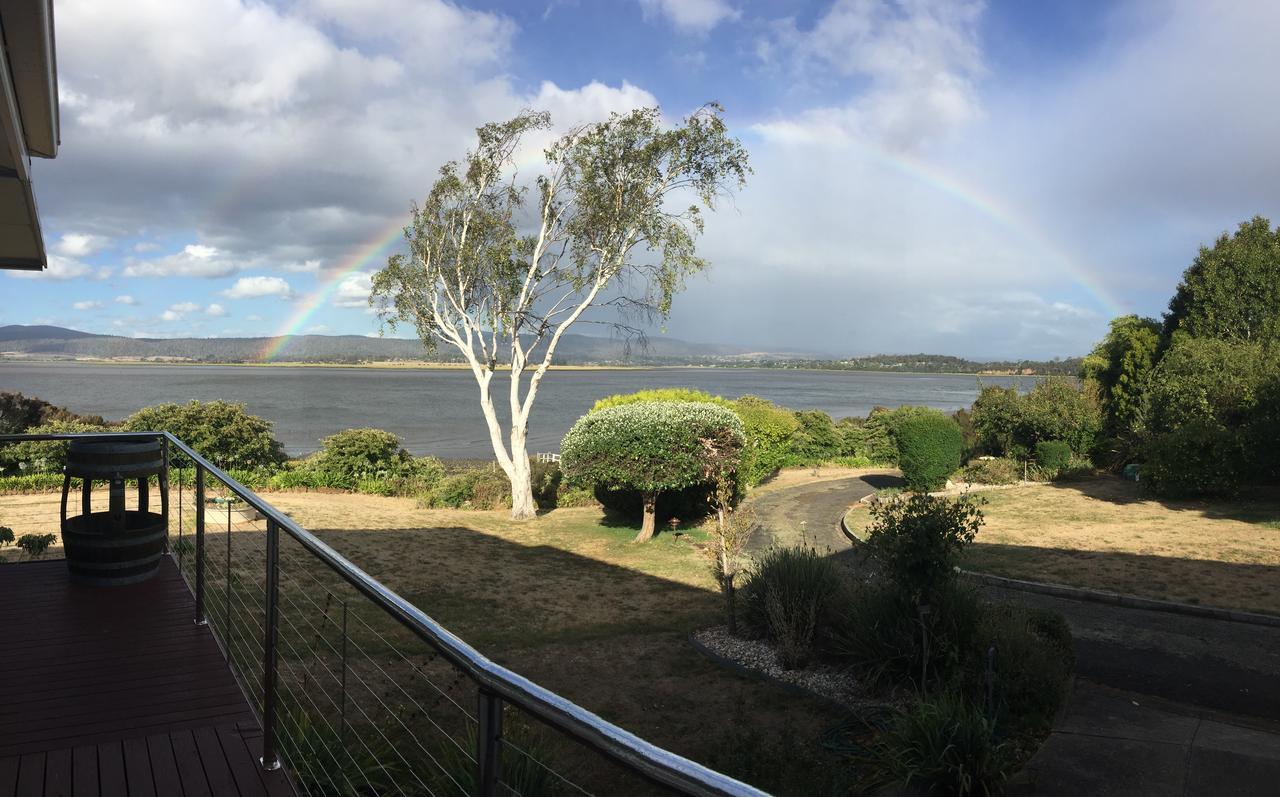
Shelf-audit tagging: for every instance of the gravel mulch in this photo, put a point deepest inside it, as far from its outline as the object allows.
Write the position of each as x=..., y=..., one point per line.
x=760, y=657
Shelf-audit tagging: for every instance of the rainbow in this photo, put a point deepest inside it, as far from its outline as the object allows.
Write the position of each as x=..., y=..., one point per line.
x=309, y=305
x=1000, y=213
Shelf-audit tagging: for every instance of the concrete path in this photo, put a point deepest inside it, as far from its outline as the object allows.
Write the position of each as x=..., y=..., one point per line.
x=1112, y=742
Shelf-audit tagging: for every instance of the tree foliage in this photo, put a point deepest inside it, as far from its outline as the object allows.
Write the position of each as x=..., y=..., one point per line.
x=19, y=413
x=1232, y=291
x=355, y=454
x=222, y=432
x=1010, y=424
x=606, y=232
x=1118, y=369
x=650, y=447
x=918, y=541
x=43, y=456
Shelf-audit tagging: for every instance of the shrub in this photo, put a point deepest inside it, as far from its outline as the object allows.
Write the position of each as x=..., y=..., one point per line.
x=43, y=456
x=929, y=448
x=653, y=448
x=878, y=443
x=659, y=394
x=353, y=455
x=474, y=488
x=917, y=540
x=815, y=439
x=943, y=744
x=1053, y=455
x=788, y=597
x=34, y=545
x=545, y=479
x=222, y=432
x=998, y=470
x=6, y=536
x=19, y=414
x=768, y=430
x=1199, y=459
x=1058, y=409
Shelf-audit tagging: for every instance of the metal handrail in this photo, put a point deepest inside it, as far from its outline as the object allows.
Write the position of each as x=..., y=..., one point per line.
x=648, y=760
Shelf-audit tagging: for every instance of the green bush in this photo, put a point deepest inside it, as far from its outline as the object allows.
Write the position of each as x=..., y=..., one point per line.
x=917, y=541
x=43, y=456
x=545, y=478
x=34, y=545
x=1053, y=455
x=768, y=429
x=474, y=488
x=929, y=448
x=6, y=536
x=943, y=744
x=1010, y=425
x=998, y=470
x=815, y=439
x=222, y=432
x=878, y=442
x=353, y=455
x=1198, y=460
x=789, y=597
x=19, y=414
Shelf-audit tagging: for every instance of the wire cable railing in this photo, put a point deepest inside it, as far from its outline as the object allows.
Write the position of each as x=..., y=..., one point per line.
x=360, y=692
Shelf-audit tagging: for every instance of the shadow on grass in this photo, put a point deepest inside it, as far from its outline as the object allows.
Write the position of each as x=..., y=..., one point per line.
x=609, y=636
x=1228, y=585
x=1257, y=505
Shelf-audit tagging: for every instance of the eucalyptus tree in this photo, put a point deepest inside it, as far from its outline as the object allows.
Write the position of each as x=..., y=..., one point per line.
x=611, y=225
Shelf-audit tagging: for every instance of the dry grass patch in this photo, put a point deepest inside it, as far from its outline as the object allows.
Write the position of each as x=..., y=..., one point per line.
x=1106, y=534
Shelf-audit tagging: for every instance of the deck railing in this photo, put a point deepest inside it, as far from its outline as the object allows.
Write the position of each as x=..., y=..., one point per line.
x=358, y=690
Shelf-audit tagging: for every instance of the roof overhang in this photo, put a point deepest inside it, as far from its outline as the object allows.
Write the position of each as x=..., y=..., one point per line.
x=28, y=125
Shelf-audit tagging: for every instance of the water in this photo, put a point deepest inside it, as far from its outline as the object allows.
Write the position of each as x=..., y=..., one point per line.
x=435, y=411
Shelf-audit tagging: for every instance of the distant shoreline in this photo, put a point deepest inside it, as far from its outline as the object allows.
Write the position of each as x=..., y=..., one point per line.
x=407, y=365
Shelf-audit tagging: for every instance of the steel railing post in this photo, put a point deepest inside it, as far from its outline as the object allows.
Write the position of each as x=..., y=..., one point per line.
x=164, y=490
x=270, y=759
x=488, y=744
x=200, y=618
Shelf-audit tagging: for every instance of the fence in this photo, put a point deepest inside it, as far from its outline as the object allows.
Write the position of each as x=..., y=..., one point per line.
x=359, y=691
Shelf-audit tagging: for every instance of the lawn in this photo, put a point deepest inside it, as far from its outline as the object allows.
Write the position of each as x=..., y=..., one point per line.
x=566, y=600
x=1106, y=534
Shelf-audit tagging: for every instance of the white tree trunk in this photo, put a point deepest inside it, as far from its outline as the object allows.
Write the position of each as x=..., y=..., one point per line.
x=522, y=504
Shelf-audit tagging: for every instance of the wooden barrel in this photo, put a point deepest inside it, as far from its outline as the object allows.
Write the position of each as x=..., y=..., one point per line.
x=119, y=546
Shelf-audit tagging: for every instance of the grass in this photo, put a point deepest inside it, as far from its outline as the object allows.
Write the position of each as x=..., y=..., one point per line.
x=565, y=600
x=1106, y=534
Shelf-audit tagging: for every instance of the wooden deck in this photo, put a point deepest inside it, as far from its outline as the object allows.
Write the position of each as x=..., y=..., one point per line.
x=116, y=691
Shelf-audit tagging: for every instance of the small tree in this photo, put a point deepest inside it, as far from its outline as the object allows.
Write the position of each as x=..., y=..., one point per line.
x=6, y=536
x=918, y=541
x=652, y=447
x=606, y=232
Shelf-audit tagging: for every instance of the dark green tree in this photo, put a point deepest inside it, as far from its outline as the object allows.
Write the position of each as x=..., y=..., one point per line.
x=1118, y=370
x=1232, y=291
x=222, y=432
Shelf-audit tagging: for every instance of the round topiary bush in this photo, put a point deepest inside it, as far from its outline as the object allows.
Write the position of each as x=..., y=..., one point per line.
x=929, y=448
x=653, y=448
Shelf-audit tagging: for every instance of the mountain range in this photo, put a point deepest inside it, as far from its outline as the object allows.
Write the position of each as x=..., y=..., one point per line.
x=59, y=343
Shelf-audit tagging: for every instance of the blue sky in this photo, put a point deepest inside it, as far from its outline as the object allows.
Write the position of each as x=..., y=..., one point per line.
x=989, y=180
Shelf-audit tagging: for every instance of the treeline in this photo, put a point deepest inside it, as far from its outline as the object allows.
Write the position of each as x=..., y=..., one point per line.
x=932, y=364
x=1195, y=397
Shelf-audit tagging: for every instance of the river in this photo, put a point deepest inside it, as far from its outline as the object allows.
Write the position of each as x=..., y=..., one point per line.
x=434, y=411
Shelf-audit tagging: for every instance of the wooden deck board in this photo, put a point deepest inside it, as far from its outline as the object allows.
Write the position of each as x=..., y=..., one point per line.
x=122, y=693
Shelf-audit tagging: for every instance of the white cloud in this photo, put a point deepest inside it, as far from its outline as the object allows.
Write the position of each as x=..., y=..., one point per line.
x=195, y=260
x=171, y=315
x=354, y=291
x=691, y=16
x=78, y=244
x=254, y=287
x=316, y=329
x=911, y=69
x=305, y=267
x=126, y=299
x=184, y=307
x=88, y=305
x=215, y=310
x=64, y=268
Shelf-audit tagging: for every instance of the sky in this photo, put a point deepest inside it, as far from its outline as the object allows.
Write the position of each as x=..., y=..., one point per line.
x=991, y=180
